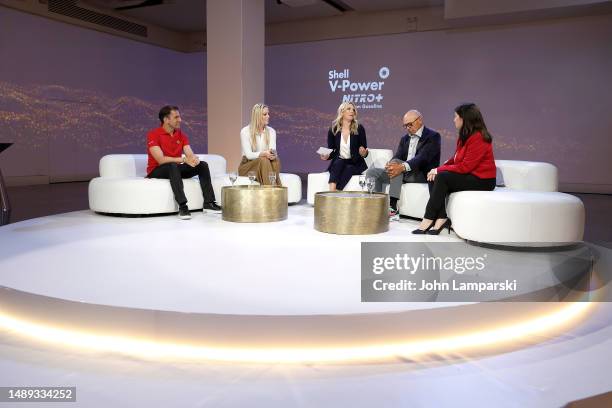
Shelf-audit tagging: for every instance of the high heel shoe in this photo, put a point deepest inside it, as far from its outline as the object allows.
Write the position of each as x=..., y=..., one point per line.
x=447, y=224
x=419, y=231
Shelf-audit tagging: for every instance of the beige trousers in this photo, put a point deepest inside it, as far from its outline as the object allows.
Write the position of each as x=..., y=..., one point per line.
x=262, y=168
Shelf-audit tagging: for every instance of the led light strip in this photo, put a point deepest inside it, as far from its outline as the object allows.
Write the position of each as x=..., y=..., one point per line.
x=568, y=313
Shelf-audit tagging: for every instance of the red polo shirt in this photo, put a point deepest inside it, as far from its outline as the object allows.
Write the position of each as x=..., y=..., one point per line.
x=170, y=145
x=474, y=157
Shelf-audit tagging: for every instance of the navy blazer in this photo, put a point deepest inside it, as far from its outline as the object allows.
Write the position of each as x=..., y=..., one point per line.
x=357, y=140
x=427, y=154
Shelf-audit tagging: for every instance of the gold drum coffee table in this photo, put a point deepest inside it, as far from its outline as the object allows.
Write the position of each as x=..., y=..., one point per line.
x=254, y=203
x=351, y=212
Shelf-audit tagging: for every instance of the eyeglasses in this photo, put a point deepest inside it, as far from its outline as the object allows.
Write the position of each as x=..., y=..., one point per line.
x=409, y=124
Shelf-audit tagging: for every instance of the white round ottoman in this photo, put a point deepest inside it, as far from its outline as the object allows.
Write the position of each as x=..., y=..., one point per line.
x=517, y=218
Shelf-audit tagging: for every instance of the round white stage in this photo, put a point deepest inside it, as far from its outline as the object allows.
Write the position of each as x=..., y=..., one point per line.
x=96, y=302
x=161, y=287
x=204, y=265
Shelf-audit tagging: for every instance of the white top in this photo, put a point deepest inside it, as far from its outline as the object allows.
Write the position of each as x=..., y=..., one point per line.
x=414, y=141
x=245, y=141
x=345, y=148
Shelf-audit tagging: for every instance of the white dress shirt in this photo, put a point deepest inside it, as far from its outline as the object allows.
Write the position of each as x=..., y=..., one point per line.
x=245, y=141
x=414, y=141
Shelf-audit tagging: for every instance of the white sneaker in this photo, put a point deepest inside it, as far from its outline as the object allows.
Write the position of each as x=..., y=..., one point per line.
x=393, y=214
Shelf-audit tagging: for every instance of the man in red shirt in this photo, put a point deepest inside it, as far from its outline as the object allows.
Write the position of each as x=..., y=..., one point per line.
x=165, y=146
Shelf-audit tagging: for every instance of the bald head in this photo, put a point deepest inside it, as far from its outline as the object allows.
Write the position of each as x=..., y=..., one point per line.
x=413, y=120
x=412, y=114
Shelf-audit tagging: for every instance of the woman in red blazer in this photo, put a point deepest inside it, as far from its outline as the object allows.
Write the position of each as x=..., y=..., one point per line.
x=471, y=168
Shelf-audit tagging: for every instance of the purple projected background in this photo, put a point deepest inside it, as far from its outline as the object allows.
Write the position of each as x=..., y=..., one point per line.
x=69, y=95
x=544, y=91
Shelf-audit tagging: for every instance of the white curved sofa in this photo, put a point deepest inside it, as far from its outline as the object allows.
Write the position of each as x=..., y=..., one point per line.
x=526, y=211
x=123, y=189
x=514, y=174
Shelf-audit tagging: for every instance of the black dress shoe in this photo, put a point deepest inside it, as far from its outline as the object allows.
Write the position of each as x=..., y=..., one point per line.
x=212, y=206
x=447, y=224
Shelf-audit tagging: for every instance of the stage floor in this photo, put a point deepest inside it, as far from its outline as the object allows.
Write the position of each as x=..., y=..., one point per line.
x=204, y=265
x=285, y=268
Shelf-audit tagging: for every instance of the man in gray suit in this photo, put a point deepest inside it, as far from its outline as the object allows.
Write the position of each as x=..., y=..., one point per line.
x=417, y=153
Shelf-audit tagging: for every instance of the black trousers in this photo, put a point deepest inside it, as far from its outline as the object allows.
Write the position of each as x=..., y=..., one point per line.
x=341, y=171
x=447, y=182
x=177, y=172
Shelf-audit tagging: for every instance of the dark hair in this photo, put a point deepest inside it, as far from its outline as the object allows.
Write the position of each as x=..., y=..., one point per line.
x=165, y=111
x=472, y=122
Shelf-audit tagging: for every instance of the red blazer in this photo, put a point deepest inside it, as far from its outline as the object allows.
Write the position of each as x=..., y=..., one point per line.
x=474, y=157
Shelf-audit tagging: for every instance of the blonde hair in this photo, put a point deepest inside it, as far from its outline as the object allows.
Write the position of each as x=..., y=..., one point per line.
x=337, y=123
x=257, y=123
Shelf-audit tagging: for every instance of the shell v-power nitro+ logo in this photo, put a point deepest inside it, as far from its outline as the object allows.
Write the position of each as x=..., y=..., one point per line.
x=365, y=95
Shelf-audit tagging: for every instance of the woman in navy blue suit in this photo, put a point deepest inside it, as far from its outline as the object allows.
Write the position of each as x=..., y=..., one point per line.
x=347, y=138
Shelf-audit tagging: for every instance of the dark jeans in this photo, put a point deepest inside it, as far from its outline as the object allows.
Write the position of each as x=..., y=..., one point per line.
x=447, y=182
x=341, y=171
x=177, y=172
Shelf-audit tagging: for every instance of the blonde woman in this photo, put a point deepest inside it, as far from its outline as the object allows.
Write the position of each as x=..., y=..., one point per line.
x=347, y=138
x=258, y=142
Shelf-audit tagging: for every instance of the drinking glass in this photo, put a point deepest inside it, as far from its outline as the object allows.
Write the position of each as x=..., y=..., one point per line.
x=362, y=181
x=233, y=177
x=370, y=181
x=252, y=176
x=272, y=178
